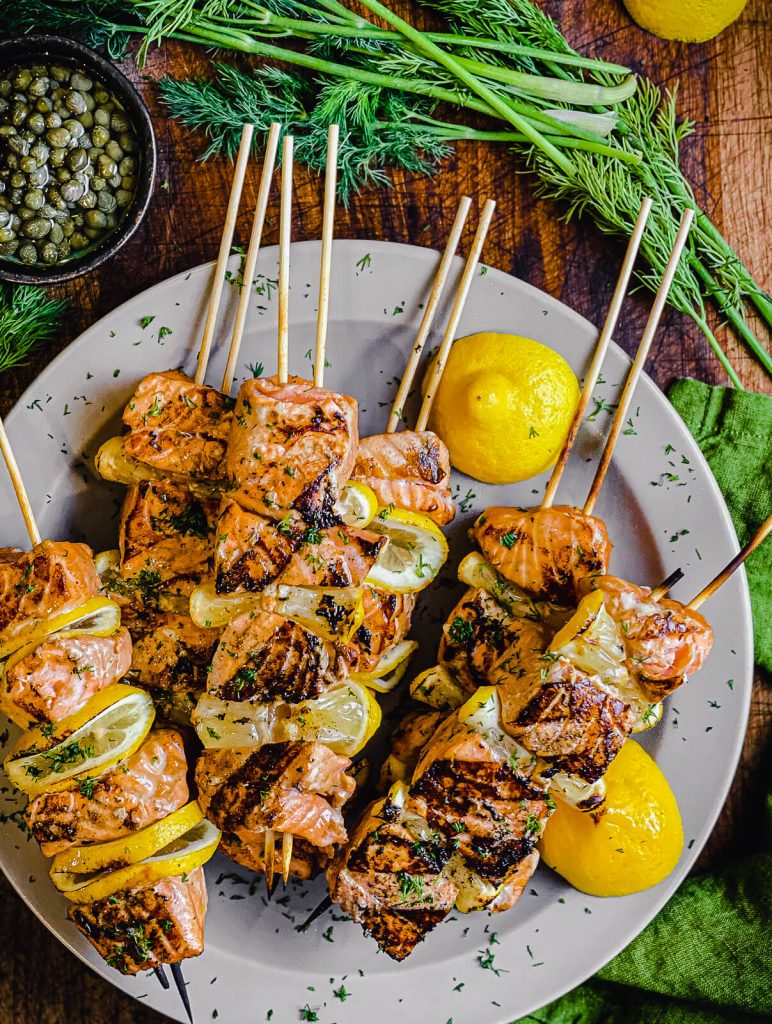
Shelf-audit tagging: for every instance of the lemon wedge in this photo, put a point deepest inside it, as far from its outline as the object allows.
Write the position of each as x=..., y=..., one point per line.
x=416, y=551
x=436, y=687
x=98, y=616
x=110, y=727
x=112, y=463
x=390, y=669
x=331, y=613
x=357, y=504
x=344, y=718
x=181, y=856
x=131, y=849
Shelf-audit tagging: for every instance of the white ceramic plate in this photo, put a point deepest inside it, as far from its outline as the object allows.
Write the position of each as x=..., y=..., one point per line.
x=663, y=510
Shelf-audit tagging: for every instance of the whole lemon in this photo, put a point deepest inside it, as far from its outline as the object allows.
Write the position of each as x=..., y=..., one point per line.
x=690, y=21
x=631, y=843
x=504, y=406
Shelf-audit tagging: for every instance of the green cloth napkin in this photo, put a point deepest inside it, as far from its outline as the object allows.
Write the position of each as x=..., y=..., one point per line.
x=707, y=957
x=734, y=431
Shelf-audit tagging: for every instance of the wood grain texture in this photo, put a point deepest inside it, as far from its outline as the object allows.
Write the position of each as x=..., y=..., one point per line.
x=725, y=87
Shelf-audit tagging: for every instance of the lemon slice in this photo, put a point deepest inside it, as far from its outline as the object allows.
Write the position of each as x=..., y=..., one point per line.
x=109, y=728
x=476, y=572
x=416, y=551
x=357, y=504
x=344, y=718
x=107, y=562
x=181, y=856
x=436, y=687
x=482, y=713
x=98, y=616
x=131, y=849
x=652, y=716
x=390, y=669
x=330, y=613
x=112, y=463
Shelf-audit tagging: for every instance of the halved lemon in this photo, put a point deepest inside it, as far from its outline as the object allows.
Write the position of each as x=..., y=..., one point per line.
x=181, y=856
x=334, y=613
x=390, y=669
x=436, y=687
x=131, y=849
x=416, y=551
x=357, y=504
x=98, y=616
x=110, y=727
x=344, y=718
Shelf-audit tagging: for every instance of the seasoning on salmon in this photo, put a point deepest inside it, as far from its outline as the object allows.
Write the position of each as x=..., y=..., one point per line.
x=178, y=426
x=386, y=622
x=566, y=717
x=267, y=657
x=166, y=536
x=291, y=446
x=59, y=676
x=664, y=640
x=53, y=578
x=290, y=787
x=303, y=863
x=409, y=469
x=546, y=552
x=138, y=929
x=252, y=552
x=148, y=786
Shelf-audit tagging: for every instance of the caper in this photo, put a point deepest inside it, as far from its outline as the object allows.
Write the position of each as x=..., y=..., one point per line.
x=127, y=142
x=18, y=144
x=25, y=214
x=80, y=81
x=47, y=211
x=39, y=177
x=102, y=117
x=72, y=191
x=38, y=86
x=18, y=180
x=106, y=167
x=28, y=164
x=74, y=127
x=122, y=197
x=36, y=228
x=114, y=151
x=59, y=72
x=7, y=130
x=5, y=87
x=9, y=248
x=22, y=79
x=95, y=219
x=57, y=200
x=75, y=102
x=128, y=182
x=63, y=175
x=34, y=199
x=68, y=226
x=86, y=119
x=39, y=70
x=5, y=218
x=58, y=156
x=19, y=112
x=78, y=240
x=94, y=153
x=98, y=184
x=105, y=200
x=58, y=137
x=87, y=201
x=43, y=105
x=40, y=151
x=119, y=122
x=36, y=123
x=7, y=234
x=100, y=136
x=56, y=234
x=64, y=249
x=127, y=166
x=77, y=159
x=115, y=181
x=28, y=253
x=53, y=120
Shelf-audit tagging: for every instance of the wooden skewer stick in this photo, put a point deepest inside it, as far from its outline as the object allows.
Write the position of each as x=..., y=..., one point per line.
x=718, y=581
x=427, y=319
x=160, y=973
x=328, y=227
x=182, y=988
x=600, y=350
x=18, y=485
x=285, y=239
x=667, y=584
x=455, y=315
x=640, y=359
x=286, y=855
x=269, y=851
x=226, y=240
x=250, y=262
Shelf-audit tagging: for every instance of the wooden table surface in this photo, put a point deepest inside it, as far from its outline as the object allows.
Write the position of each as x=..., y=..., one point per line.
x=725, y=88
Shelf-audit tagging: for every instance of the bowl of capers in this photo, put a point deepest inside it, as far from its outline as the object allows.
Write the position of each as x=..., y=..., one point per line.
x=77, y=159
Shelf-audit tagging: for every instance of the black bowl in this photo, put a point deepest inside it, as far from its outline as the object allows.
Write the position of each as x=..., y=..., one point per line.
x=68, y=51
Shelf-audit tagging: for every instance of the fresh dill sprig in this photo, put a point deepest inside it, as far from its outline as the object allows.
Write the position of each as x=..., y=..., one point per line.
x=27, y=319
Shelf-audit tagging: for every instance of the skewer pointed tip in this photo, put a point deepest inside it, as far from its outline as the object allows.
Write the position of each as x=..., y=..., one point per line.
x=160, y=973
x=323, y=907
x=182, y=988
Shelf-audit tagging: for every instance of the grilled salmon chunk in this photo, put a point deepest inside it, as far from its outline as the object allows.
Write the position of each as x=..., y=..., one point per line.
x=137, y=929
x=546, y=552
x=386, y=623
x=178, y=426
x=405, y=745
x=291, y=446
x=391, y=883
x=60, y=675
x=267, y=657
x=148, y=786
x=303, y=863
x=54, y=577
x=409, y=469
x=664, y=640
x=566, y=717
x=251, y=552
x=166, y=533
x=290, y=787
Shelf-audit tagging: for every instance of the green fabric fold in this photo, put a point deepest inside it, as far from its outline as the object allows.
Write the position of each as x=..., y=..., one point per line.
x=707, y=956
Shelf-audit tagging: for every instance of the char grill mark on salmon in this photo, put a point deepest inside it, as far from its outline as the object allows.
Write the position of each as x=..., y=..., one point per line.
x=138, y=929
x=292, y=447
x=290, y=787
x=664, y=640
x=267, y=657
x=59, y=676
x=564, y=716
x=386, y=622
x=252, y=552
x=51, y=579
x=166, y=533
x=171, y=656
x=409, y=469
x=148, y=786
x=178, y=426
x=546, y=552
